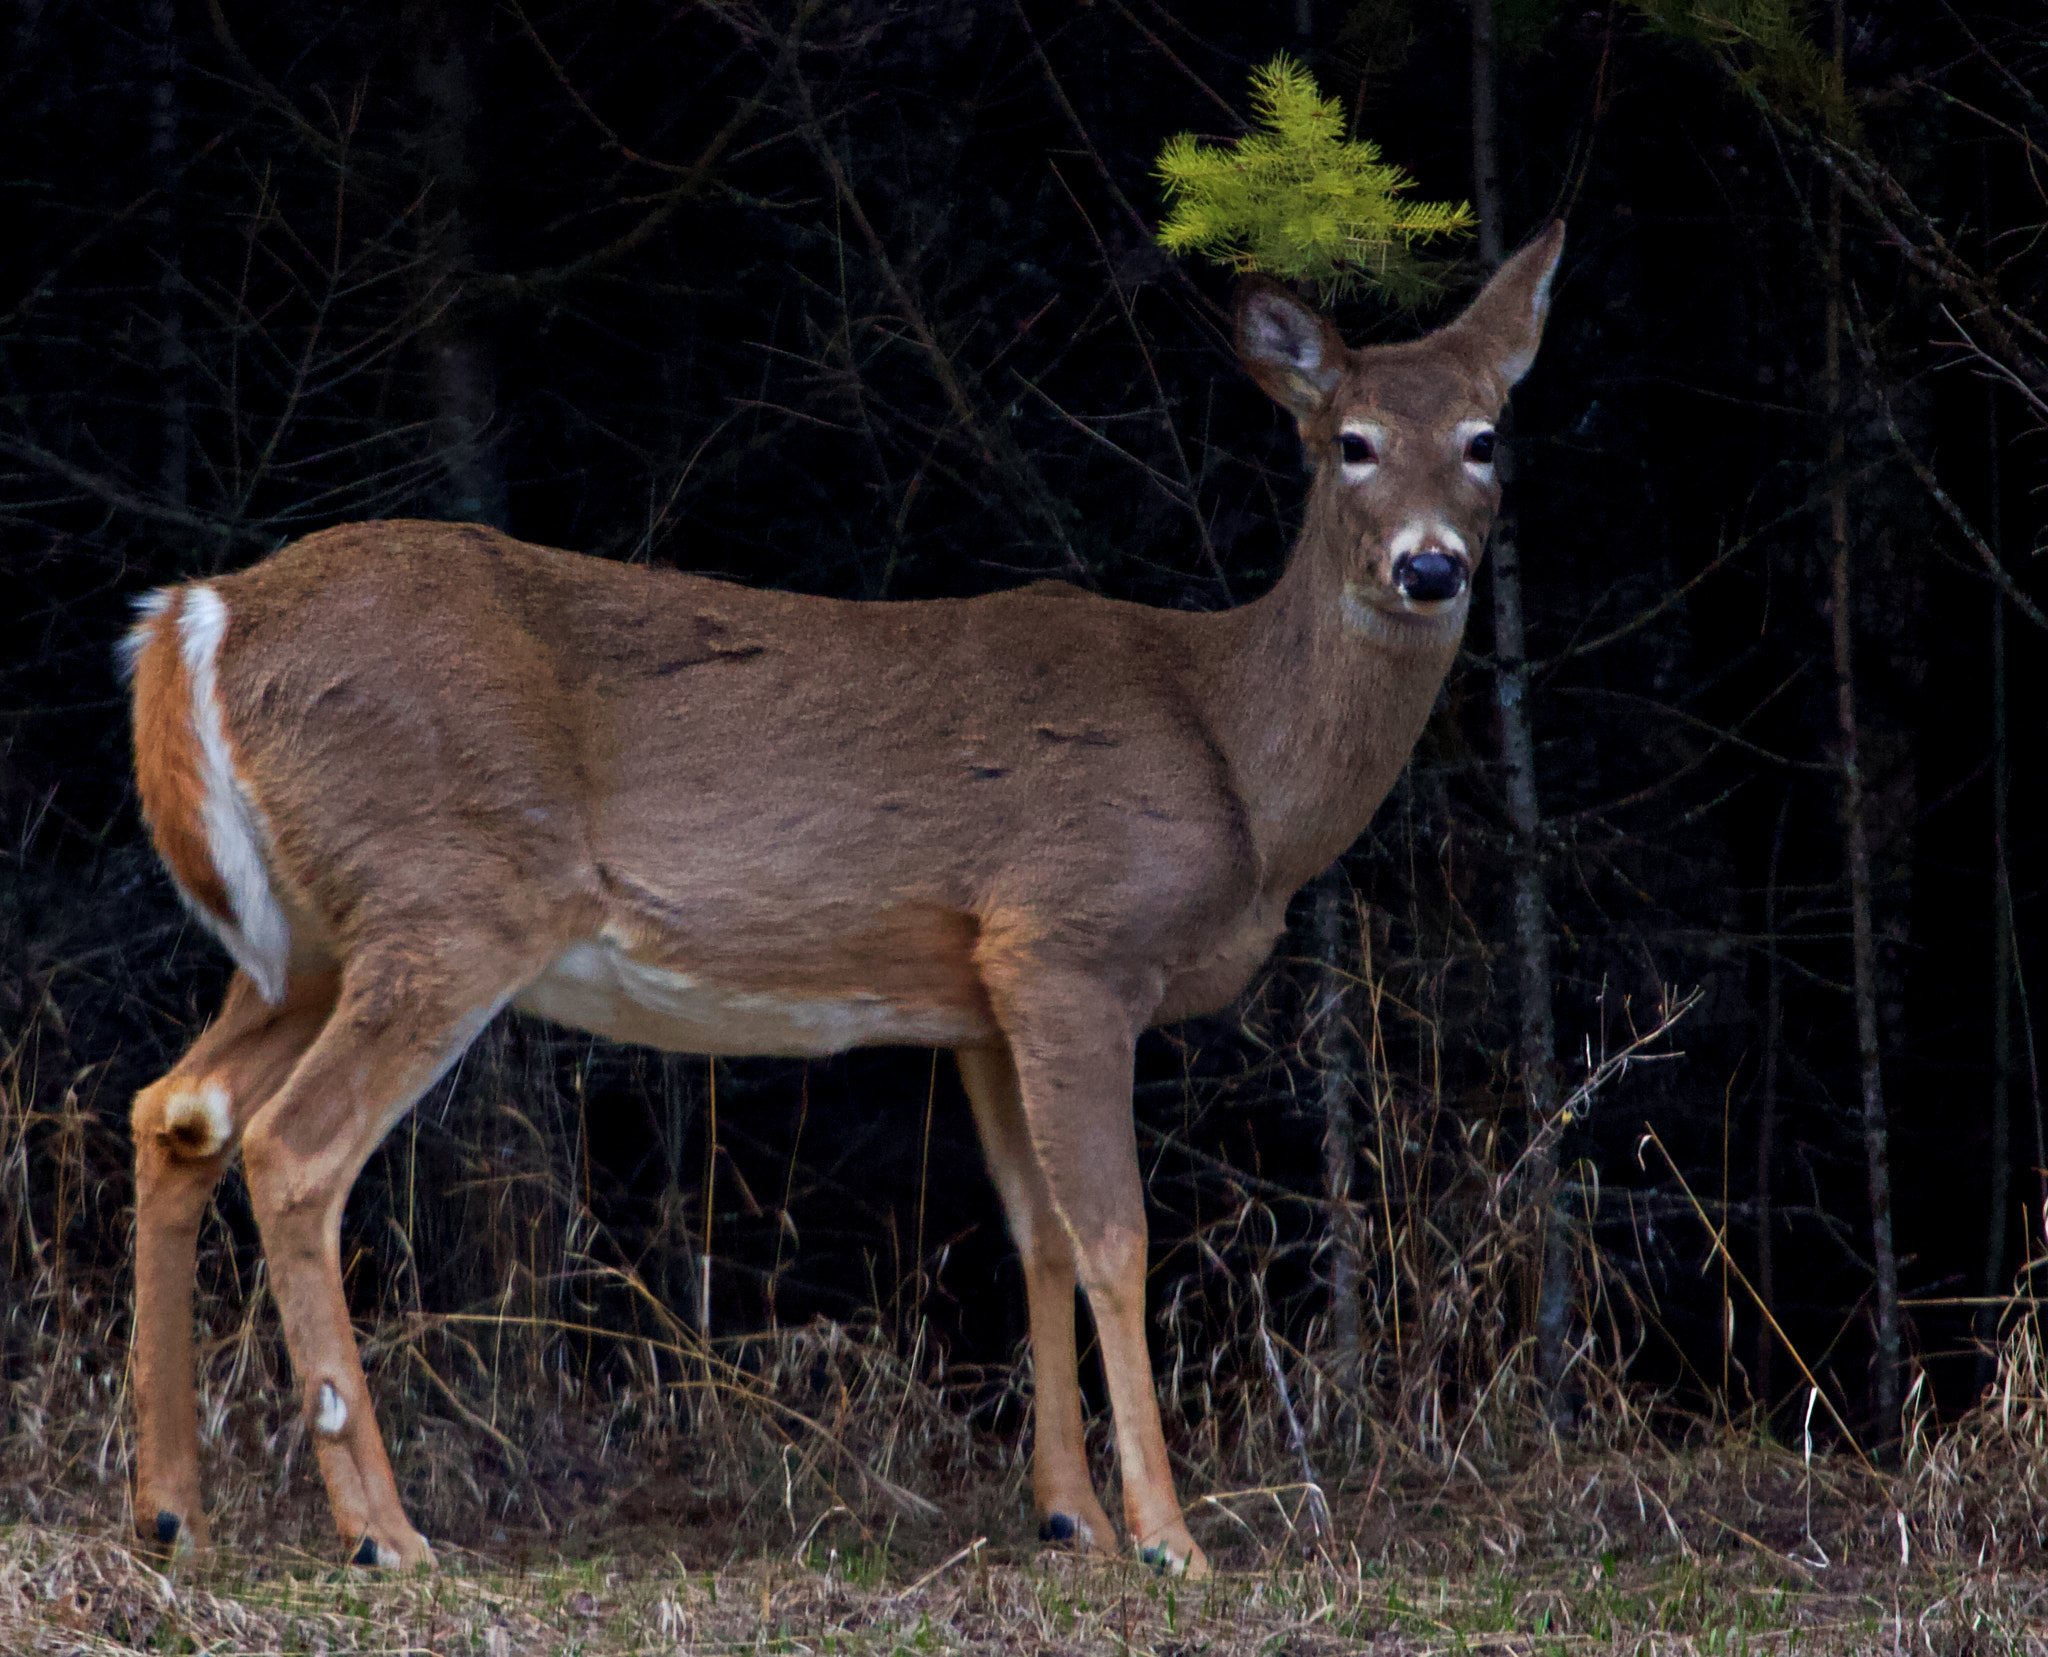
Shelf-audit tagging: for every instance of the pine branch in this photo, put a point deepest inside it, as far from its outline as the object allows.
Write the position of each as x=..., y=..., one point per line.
x=1298, y=200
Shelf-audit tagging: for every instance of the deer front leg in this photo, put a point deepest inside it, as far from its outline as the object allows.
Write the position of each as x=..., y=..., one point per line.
x=185, y=1127
x=1072, y=1037
x=400, y=1021
x=1060, y=1486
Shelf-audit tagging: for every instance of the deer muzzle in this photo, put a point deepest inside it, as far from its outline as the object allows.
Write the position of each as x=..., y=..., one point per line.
x=1429, y=576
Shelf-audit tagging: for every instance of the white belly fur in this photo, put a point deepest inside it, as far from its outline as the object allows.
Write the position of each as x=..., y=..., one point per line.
x=597, y=987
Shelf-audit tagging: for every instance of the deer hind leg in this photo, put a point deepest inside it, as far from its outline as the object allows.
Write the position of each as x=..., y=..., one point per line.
x=1073, y=1039
x=185, y=1127
x=403, y=1016
x=1060, y=1486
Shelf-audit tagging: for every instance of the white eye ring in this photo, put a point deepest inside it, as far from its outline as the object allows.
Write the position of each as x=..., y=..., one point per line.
x=1477, y=442
x=1359, y=448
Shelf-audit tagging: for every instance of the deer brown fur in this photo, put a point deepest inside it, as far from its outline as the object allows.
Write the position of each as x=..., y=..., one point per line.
x=673, y=810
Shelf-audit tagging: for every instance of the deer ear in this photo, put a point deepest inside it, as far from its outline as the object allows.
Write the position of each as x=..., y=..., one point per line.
x=1295, y=354
x=1506, y=320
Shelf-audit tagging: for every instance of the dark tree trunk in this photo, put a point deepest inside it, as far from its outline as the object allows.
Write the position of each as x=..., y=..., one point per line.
x=174, y=410
x=1998, y=1222
x=461, y=374
x=1334, y=924
x=1767, y=1116
x=1535, y=1029
x=1856, y=850
x=1999, y=1199
x=1485, y=140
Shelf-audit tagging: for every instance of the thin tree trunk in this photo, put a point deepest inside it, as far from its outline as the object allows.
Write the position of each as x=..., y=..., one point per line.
x=2024, y=1007
x=1336, y=1089
x=174, y=412
x=1999, y=1199
x=1485, y=146
x=1856, y=846
x=710, y=1193
x=1998, y=1223
x=1535, y=1030
x=460, y=371
x=1767, y=1116
x=1535, y=1026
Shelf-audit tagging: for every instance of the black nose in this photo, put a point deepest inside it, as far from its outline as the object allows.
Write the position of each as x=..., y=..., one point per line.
x=1429, y=577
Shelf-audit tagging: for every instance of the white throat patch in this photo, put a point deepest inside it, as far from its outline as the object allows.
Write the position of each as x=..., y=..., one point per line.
x=1413, y=630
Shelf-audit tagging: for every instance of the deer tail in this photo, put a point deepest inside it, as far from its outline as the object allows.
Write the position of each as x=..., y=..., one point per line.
x=207, y=826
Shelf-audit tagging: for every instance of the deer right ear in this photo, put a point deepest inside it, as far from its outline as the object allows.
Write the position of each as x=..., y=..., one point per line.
x=1507, y=318
x=1294, y=353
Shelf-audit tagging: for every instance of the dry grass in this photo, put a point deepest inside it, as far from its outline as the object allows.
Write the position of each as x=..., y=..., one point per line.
x=1979, y=1488
x=1567, y=1554
x=600, y=1479
x=826, y=1490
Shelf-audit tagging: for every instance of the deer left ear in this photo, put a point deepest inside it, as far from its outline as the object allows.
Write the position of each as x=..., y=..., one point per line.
x=1506, y=321
x=1295, y=354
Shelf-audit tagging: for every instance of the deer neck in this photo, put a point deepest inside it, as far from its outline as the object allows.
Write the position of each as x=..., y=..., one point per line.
x=1316, y=702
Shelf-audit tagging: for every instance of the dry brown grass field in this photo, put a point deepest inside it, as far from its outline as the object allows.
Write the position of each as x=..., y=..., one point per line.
x=830, y=1490
x=1727, y=1546
x=599, y=1478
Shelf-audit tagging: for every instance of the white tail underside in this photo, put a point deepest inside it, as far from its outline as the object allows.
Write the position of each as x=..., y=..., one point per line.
x=259, y=937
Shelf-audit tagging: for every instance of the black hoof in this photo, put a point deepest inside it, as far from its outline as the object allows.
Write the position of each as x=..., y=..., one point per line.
x=1158, y=1558
x=1057, y=1527
x=167, y=1528
x=366, y=1554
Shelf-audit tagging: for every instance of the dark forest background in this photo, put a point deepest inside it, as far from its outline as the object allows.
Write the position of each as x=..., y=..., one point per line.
x=862, y=299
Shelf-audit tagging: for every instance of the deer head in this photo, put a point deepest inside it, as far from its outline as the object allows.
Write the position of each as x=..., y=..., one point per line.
x=1401, y=439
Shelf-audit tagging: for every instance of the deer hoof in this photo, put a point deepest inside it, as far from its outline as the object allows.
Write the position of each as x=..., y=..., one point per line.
x=370, y=1551
x=1068, y=1528
x=171, y=1533
x=1169, y=1559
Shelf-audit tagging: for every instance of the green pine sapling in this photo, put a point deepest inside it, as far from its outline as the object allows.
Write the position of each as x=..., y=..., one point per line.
x=1298, y=200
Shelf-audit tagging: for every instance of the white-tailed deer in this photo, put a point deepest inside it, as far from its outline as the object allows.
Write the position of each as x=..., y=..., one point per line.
x=411, y=773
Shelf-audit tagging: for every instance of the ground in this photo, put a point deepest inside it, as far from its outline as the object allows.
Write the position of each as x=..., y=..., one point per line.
x=1711, y=1551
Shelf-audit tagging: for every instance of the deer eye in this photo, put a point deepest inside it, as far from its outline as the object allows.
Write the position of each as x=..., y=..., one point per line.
x=1480, y=449
x=1356, y=448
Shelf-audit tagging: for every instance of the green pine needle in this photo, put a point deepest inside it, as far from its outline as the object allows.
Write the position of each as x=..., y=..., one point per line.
x=1298, y=200
x=1770, y=46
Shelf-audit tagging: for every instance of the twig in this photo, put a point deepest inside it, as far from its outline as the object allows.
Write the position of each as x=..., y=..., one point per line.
x=1317, y=1506
x=1720, y=1242
x=943, y=1566
x=125, y=500
x=1994, y=566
